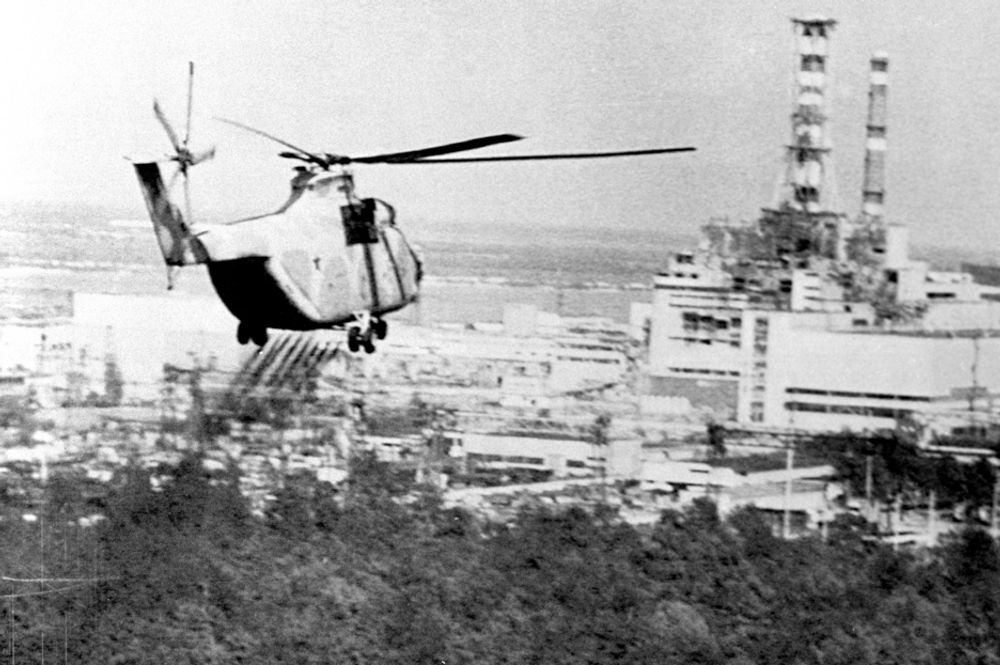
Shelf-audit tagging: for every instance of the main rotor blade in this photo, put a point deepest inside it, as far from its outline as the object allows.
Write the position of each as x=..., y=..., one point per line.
x=187, y=201
x=187, y=130
x=460, y=146
x=568, y=155
x=199, y=157
x=166, y=125
x=259, y=132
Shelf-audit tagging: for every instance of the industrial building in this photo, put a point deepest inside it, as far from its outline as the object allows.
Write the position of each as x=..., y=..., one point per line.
x=809, y=318
x=554, y=455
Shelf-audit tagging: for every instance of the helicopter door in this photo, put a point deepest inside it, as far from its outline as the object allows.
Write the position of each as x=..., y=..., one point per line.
x=359, y=223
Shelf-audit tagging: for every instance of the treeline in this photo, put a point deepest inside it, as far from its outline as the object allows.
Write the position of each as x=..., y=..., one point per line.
x=381, y=572
x=899, y=468
x=895, y=466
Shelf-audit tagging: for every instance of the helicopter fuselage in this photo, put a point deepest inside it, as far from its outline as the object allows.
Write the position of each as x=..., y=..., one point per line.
x=326, y=257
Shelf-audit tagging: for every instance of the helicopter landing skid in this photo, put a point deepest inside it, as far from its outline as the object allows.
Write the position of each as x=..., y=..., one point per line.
x=246, y=332
x=362, y=332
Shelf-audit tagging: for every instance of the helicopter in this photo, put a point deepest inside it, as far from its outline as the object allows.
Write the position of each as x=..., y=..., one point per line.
x=324, y=259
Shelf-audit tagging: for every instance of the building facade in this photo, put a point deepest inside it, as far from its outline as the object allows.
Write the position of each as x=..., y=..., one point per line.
x=808, y=318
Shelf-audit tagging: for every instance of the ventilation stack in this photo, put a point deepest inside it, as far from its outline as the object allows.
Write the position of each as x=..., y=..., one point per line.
x=807, y=185
x=873, y=188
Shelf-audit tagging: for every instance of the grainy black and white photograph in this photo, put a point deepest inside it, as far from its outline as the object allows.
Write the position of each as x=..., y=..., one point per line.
x=439, y=332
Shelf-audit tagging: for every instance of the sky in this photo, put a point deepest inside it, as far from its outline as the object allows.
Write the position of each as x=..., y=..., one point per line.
x=367, y=77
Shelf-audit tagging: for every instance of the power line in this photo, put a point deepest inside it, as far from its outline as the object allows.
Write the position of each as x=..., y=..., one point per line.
x=50, y=580
x=43, y=592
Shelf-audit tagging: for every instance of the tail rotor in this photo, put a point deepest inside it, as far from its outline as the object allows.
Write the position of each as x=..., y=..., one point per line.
x=183, y=155
x=179, y=246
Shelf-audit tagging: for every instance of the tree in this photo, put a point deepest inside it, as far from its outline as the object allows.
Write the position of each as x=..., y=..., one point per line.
x=972, y=569
x=198, y=429
x=114, y=384
x=599, y=430
x=716, y=440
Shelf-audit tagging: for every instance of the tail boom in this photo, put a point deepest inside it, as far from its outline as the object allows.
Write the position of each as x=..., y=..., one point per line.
x=177, y=244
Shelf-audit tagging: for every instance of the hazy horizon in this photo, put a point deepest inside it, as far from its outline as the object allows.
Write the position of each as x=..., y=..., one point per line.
x=507, y=248
x=369, y=77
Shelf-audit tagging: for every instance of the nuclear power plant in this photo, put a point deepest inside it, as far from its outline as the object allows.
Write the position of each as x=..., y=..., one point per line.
x=808, y=317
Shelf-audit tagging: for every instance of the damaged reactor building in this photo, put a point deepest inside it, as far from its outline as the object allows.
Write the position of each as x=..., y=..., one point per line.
x=812, y=319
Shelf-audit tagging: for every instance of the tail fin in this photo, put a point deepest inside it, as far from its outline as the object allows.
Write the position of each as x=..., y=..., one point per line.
x=178, y=245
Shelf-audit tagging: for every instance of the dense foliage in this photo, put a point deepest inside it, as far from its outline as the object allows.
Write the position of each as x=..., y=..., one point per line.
x=895, y=465
x=379, y=573
x=900, y=468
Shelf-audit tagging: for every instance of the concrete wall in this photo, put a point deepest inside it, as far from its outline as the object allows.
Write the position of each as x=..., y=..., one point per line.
x=144, y=332
x=35, y=347
x=879, y=372
x=984, y=315
x=561, y=456
x=716, y=394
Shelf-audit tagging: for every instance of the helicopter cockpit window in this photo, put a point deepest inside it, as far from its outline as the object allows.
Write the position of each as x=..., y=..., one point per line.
x=359, y=222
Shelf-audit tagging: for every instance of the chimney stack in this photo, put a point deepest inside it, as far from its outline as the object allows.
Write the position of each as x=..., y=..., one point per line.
x=807, y=185
x=873, y=189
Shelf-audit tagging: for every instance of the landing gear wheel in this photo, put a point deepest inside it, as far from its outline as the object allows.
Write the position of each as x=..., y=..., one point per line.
x=259, y=336
x=247, y=332
x=362, y=329
x=353, y=339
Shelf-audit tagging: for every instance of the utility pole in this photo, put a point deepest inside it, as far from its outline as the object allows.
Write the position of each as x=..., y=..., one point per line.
x=44, y=477
x=786, y=523
x=932, y=520
x=868, y=487
x=995, y=519
x=897, y=517
x=599, y=440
